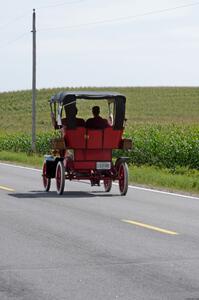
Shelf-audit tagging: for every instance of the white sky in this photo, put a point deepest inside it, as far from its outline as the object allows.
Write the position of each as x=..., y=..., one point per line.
x=159, y=49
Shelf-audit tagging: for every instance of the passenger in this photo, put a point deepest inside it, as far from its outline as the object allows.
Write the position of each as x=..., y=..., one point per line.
x=96, y=122
x=79, y=121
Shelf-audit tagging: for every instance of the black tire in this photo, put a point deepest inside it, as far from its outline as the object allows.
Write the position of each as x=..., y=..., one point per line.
x=46, y=180
x=60, y=177
x=123, y=175
x=107, y=185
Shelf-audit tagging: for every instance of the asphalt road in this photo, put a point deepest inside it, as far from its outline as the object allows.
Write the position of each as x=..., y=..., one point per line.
x=88, y=244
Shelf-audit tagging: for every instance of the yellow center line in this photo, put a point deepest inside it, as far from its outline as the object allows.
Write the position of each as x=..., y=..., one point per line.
x=6, y=188
x=150, y=227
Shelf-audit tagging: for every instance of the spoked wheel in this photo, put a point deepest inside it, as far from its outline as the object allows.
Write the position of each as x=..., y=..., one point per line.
x=60, y=177
x=107, y=184
x=123, y=178
x=46, y=180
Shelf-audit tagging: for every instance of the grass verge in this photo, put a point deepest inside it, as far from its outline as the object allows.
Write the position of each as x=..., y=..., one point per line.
x=22, y=158
x=180, y=179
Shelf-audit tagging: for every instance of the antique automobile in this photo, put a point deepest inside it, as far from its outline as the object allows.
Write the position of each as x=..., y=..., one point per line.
x=83, y=153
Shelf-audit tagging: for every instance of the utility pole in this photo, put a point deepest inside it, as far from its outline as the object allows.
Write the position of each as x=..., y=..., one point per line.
x=33, y=81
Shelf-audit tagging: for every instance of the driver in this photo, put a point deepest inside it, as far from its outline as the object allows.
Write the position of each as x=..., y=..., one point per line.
x=97, y=122
x=79, y=121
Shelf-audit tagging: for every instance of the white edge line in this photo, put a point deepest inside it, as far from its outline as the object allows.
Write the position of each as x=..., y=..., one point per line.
x=161, y=192
x=20, y=167
x=130, y=186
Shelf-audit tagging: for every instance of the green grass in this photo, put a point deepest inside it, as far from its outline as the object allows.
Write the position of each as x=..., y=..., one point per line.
x=180, y=180
x=21, y=158
x=144, y=105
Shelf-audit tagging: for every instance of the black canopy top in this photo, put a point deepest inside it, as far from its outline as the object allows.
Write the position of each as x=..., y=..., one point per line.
x=68, y=101
x=62, y=96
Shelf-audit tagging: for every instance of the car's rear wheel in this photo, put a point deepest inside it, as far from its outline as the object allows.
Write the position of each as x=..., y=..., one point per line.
x=123, y=178
x=107, y=184
x=60, y=177
x=46, y=180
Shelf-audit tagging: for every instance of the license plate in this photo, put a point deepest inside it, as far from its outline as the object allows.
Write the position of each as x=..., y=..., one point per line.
x=105, y=165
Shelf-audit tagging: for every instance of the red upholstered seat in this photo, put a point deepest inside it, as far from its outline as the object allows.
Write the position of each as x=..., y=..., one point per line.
x=112, y=138
x=75, y=138
x=82, y=138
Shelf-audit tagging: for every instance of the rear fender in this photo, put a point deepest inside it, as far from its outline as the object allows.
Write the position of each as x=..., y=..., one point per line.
x=51, y=167
x=121, y=160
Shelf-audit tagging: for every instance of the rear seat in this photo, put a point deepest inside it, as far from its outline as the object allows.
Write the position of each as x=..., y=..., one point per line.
x=82, y=138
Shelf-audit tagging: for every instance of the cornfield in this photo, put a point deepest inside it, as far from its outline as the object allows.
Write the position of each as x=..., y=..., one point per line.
x=159, y=145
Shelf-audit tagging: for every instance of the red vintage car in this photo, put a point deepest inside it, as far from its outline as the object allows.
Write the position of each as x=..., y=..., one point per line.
x=83, y=153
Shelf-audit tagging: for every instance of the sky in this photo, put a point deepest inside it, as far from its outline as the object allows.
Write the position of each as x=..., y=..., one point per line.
x=83, y=43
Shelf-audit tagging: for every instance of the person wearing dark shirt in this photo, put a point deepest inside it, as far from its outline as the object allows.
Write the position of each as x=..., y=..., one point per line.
x=96, y=122
x=79, y=121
